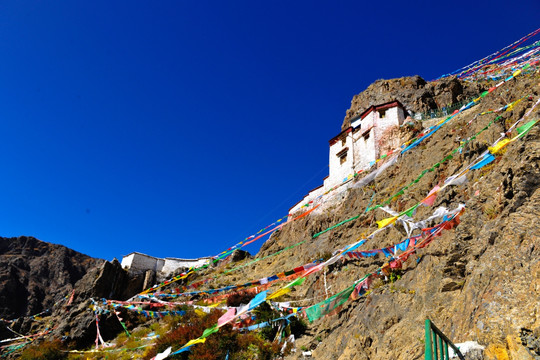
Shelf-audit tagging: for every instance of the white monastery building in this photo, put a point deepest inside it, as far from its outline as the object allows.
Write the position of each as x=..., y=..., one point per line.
x=139, y=262
x=358, y=146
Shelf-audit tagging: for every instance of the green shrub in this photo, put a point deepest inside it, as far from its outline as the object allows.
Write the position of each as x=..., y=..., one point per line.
x=264, y=312
x=298, y=326
x=46, y=350
x=239, y=345
x=239, y=298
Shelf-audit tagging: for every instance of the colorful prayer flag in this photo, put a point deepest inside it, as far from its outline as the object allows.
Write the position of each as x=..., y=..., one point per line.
x=385, y=222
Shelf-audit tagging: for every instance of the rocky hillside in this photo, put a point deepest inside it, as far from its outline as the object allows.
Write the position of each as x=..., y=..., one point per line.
x=35, y=274
x=39, y=278
x=478, y=281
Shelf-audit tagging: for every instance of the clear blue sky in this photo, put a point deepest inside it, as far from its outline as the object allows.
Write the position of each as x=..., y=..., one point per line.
x=178, y=128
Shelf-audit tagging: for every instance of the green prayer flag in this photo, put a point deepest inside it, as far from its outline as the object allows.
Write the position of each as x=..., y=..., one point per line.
x=410, y=212
x=325, y=307
x=522, y=130
x=296, y=282
x=484, y=93
x=210, y=331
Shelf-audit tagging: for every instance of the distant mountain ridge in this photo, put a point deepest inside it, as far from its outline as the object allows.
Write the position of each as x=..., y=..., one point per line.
x=35, y=274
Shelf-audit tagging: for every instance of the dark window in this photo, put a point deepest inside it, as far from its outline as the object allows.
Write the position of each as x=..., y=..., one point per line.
x=342, y=155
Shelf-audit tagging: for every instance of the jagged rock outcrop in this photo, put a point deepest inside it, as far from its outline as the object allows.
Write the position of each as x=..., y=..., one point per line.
x=109, y=281
x=35, y=274
x=414, y=93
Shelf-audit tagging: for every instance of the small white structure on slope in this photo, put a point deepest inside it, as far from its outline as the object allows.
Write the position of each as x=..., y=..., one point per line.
x=139, y=262
x=361, y=144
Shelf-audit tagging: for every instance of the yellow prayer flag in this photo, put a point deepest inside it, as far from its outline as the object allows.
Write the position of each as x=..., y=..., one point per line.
x=194, y=341
x=501, y=144
x=216, y=304
x=278, y=293
x=511, y=106
x=199, y=312
x=516, y=73
x=385, y=222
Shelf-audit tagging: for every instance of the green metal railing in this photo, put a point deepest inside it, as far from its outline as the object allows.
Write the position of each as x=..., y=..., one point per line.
x=437, y=344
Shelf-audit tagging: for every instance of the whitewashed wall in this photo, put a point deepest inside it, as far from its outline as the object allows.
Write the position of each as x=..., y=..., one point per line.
x=126, y=261
x=340, y=171
x=309, y=197
x=143, y=262
x=171, y=264
x=365, y=150
x=362, y=149
x=393, y=117
x=369, y=120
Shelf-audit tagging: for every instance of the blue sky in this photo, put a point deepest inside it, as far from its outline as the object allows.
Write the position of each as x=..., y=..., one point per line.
x=178, y=128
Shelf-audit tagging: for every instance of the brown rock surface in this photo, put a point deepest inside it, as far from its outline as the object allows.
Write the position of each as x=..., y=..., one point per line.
x=34, y=274
x=414, y=93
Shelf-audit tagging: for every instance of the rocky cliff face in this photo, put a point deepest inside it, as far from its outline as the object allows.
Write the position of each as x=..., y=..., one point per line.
x=414, y=93
x=36, y=276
